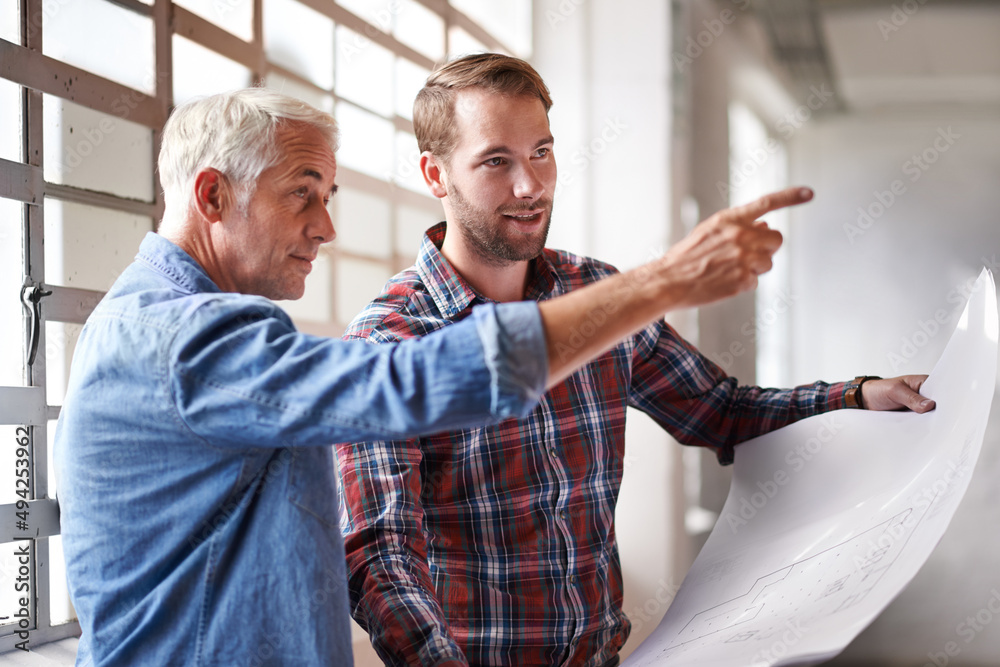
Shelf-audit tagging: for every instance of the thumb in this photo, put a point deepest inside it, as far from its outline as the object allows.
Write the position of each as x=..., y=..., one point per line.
x=909, y=398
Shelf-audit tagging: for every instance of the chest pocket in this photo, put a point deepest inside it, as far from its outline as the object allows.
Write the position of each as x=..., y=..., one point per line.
x=312, y=483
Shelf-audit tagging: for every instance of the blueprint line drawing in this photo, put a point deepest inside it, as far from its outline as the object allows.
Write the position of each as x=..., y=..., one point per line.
x=828, y=519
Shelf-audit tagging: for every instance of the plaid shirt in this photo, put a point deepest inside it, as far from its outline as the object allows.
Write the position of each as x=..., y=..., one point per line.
x=497, y=545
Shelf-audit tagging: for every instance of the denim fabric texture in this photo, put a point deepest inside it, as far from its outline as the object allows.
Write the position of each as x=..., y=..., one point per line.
x=195, y=478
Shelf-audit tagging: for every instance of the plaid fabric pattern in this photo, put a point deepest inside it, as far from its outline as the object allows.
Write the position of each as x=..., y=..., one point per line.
x=496, y=545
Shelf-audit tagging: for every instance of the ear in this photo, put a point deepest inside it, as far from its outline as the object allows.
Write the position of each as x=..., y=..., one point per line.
x=211, y=194
x=434, y=174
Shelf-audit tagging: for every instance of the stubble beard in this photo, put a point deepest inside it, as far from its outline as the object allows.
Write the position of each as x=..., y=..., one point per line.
x=493, y=241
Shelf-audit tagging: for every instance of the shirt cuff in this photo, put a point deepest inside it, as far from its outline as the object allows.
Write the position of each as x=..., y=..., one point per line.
x=514, y=346
x=835, y=396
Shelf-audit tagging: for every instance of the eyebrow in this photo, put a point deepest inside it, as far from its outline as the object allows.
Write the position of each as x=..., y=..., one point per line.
x=315, y=175
x=504, y=150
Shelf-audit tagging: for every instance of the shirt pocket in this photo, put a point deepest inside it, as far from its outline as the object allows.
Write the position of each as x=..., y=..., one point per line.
x=312, y=484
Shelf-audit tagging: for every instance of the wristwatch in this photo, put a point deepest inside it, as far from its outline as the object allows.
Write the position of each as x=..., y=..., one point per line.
x=852, y=393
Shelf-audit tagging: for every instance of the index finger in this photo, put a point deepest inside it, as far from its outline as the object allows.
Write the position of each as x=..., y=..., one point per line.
x=748, y=213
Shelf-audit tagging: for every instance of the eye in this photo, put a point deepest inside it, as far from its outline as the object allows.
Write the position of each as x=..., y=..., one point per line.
x=302, y=192
x=543, y=152
x=494, y=161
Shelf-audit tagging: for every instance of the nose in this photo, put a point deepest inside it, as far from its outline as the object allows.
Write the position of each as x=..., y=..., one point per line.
x=527, y=184
x=321, y=225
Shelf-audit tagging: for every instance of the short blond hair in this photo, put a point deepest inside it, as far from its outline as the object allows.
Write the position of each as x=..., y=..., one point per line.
x=434, y=108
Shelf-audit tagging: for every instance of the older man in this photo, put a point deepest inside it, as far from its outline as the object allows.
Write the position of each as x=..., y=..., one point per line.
x=496, y=545
x=196, y=483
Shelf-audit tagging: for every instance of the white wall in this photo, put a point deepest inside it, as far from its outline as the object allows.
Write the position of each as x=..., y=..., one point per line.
x=866, y=299
x=607, y=66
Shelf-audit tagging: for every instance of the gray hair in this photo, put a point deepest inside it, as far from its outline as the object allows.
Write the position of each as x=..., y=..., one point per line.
x=233, y=132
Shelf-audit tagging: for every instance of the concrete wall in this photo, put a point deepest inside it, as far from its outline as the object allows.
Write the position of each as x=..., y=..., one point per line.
x=870, y=288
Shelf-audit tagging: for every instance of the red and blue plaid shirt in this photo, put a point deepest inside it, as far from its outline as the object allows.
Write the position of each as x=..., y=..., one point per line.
x=496, y=545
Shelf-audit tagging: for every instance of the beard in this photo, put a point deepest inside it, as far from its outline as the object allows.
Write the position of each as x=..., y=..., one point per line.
x=492, y=236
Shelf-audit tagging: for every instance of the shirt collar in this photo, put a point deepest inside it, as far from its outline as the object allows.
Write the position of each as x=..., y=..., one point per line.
x=169, y=259
x=452, y=294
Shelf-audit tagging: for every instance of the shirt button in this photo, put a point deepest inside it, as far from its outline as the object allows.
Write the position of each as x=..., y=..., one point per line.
x=572, y=578
x=552, y=452
x=562, y=514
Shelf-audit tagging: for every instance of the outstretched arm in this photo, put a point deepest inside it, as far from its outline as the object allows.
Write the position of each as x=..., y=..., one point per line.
x=720, y=258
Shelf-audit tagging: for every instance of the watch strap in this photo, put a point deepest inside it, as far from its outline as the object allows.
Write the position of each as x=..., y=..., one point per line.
x=853, y=397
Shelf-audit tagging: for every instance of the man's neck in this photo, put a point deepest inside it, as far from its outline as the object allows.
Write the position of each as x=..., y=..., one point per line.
x=499, y=282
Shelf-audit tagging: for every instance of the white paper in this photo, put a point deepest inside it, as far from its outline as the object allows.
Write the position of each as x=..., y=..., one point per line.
x=828, y=519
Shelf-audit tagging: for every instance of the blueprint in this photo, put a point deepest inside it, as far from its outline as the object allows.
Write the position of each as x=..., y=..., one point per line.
x=828, y=519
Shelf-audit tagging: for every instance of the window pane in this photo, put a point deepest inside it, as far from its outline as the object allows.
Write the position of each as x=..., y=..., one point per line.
x=96, y=151
x=366, y=142
x=377, y=12
x=315, y=304
x=89, y=247
x=202, y=72
x=298, y=90
x=364, y=223
x=60, y=343
x=364, y=72
x=11, y=279
x=13, y=122
x=507, y=20
x=420, y=29
x=235, y=16
x=102, y=38
x=60, y=608
x=11, y=573
x=410, y=78
x=407, y=171
x=10, y=26
x=462, y=43
x=411, y=223
x=300, y=40
x=358, y=282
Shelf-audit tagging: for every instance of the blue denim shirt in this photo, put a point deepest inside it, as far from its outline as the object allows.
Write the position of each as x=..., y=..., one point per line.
x=196, y=484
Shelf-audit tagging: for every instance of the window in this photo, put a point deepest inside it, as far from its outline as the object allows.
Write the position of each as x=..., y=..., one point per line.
x=89, y=84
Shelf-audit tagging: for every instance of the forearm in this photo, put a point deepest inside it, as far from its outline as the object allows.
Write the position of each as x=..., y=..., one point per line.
x=391, y=591
x=405, y=622
x=587, y=322
x=720, y=258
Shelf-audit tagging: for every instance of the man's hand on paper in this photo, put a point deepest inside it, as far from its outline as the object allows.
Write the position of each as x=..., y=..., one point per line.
x=896, y=393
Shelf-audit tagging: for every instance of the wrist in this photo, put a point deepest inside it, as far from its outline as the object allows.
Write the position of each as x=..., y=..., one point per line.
x=853, y=392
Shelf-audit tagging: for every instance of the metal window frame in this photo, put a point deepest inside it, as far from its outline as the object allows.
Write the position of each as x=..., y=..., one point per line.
x=25, y=64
